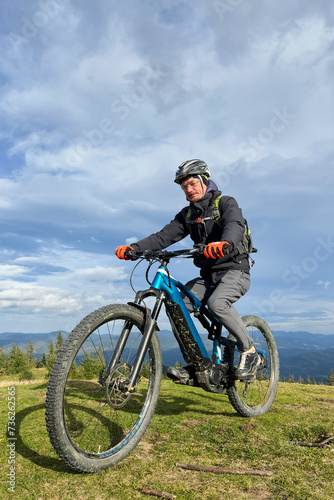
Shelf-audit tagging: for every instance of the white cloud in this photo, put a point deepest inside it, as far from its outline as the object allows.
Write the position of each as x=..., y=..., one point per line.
x=325, y=284
x=7, y=271
x=34, y=298
x=98, y=273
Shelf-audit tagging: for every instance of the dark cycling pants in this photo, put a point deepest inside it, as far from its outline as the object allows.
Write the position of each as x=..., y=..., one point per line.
x=233, y=285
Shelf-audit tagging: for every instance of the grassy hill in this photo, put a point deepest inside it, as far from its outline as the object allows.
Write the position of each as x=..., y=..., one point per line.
x=190, y=426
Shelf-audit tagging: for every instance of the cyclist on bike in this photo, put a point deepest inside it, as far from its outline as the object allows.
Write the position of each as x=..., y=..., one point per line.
x=224, y=271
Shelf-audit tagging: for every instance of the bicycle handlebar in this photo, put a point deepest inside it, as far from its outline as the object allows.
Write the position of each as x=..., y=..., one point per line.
x=164, y=254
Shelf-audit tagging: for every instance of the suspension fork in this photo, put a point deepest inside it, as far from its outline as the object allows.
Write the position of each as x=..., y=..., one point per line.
x=123, y=338
x=129, y=385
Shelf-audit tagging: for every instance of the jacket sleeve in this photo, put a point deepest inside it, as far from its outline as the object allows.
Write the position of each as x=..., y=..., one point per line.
x=232, y=220
x=175, y=231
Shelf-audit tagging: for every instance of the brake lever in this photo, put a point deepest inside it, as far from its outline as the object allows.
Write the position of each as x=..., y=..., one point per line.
x=197, y=250
x=131, y=255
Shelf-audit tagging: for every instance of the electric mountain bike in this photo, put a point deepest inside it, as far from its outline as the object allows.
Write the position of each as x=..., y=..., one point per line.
x=105, y=383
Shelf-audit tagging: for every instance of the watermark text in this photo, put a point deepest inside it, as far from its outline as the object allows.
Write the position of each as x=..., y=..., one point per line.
x=11, y=438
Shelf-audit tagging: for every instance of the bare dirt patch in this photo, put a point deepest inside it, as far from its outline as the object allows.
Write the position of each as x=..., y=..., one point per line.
x=10, y=383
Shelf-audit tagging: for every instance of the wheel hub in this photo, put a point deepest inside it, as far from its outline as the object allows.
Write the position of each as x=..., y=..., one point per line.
x=115, y=394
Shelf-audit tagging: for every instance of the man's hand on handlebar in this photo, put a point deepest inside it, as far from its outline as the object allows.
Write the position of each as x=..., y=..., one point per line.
x=123, y=252
x=217, y=249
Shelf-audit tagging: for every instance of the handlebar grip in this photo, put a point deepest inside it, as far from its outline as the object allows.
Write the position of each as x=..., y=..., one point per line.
x=131, y=255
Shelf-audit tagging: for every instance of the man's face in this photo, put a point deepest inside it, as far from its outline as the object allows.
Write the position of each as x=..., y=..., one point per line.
x=194, y=189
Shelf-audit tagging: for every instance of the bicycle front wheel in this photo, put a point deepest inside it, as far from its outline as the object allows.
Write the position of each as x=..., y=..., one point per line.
x=91, y=423
x=256, y=396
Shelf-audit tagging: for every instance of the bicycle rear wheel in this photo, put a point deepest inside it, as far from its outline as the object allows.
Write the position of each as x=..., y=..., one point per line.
x=93, y=425
x=256, y=396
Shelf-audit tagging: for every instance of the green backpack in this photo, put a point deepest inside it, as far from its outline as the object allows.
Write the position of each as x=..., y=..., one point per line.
x=245, y=245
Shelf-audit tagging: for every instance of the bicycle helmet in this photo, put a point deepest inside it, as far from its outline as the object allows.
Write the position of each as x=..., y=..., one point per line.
x=191, y=167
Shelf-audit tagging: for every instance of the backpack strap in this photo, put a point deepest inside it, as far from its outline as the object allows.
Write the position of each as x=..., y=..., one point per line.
x=216, y=211
x=215, y=215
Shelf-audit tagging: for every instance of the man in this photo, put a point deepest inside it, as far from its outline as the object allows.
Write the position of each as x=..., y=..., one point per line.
x=224, y=268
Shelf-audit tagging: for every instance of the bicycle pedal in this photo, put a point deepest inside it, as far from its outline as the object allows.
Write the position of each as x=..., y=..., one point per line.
x=190, y=382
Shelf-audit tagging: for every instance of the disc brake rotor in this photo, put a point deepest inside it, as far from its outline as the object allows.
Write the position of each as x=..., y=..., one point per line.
x=116, y=397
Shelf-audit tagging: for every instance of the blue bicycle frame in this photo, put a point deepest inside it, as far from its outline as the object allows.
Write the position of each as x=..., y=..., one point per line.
x=168, y=290
x=170, y=286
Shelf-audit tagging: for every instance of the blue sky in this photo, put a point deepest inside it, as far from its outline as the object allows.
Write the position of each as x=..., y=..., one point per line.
x=99, y=104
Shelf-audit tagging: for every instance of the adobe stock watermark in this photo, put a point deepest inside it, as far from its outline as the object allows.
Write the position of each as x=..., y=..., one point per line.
x=223, y=7
x=30, y=27
x=11, y=438
x=297, y=274
x=120, y=109
x=231, y=170
x=254, y=145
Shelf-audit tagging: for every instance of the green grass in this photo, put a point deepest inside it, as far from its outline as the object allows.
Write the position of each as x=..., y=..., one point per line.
x=190, y=426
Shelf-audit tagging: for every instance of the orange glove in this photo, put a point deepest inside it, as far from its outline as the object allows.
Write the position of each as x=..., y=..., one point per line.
x=217, y=249
x=121, y=251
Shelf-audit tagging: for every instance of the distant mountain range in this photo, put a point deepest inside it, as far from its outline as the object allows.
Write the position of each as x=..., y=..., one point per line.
x=301, y=354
